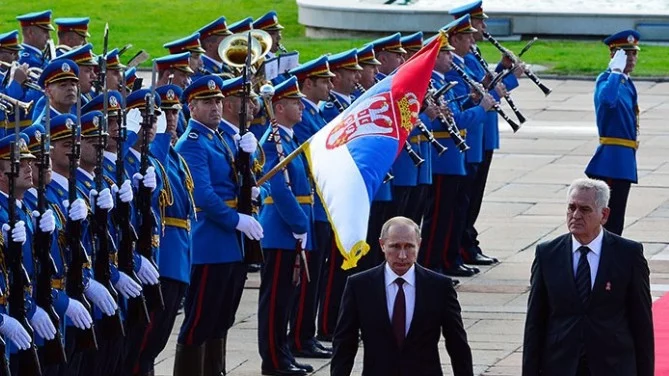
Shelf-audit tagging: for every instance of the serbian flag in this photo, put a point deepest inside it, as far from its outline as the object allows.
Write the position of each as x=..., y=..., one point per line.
x=350, y=156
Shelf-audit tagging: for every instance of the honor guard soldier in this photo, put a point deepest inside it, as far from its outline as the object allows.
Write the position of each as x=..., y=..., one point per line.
x=72, y=33
x=287, y=214
x=87, y=65
x=174, y=259
x=9, y=52
x=241, y=26
x=617, y=114
x=114, y=67
x=346, y=71
x=269, y=22
x=370, y=67
x=60, y=80
x=177, y=66
x=190, y=44
x=209, y=310
x=35, y=28
x=211, y=36
x=477, y=171
x=314, y=79
x=36, y=316
x=131, y=79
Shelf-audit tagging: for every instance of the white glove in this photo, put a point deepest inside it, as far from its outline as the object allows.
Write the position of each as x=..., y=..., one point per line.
x=42, y=324
x=127, y=287
x=162, y=122
x=47, y=223
x=100, y=297
x=618, y=61
x=250, y=227
x=78, y=314
x=104, y=199
x=147, y=273
x=302, y=238
x=77, y=211
x=148, y=180
x=18, y=232
x=13, y=330
x=125, y=193
x=248, y=143
x=255, y=192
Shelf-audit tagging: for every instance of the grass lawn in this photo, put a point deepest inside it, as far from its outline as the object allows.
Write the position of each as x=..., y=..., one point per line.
x=147, y=24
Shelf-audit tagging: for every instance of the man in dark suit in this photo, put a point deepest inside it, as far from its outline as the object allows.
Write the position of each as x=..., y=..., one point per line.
x=401, y=309
x=589, y=309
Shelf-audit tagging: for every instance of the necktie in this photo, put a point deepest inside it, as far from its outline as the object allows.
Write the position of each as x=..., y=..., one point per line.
x=399, y=313
x=583, y=275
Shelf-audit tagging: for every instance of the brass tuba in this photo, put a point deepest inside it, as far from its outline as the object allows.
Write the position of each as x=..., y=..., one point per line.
x=233, y=50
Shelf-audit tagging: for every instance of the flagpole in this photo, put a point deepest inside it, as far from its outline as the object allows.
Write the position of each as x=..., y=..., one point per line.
x=281, y=165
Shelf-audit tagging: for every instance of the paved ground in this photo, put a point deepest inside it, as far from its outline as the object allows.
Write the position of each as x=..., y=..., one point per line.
x=524, y=204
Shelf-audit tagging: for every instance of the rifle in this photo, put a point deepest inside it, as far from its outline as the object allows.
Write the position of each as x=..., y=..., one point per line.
x=54, y=353
x=110, y=326
x=137, y=313
x=19, y=281
x=251, y=249
x=146, y=218
x=86, y=339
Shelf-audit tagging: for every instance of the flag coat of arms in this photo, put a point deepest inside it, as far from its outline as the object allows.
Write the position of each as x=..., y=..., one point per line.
x=350, y=156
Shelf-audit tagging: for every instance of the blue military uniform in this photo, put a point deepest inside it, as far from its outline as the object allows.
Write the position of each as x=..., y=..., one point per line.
x=32, y=55
x=218, y=27
x=367, y=57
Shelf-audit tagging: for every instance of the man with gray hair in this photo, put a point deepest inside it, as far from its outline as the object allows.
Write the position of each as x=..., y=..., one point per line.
x=589, y=309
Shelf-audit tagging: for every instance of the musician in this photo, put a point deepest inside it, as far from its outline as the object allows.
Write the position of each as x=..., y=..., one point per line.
x=87, y=64
x=315, y=80
x=209, y=308
x=287, y=215
x=9, y=52
x=269, y=22
x=72, y=33
x=241, y=26
x=36, y=28
x=175, y=255
x=190, y=44
x=114, y=67
x=346, y=71
x=370, y=67
x=617, y=114
x=473, y=185
x=211, y=36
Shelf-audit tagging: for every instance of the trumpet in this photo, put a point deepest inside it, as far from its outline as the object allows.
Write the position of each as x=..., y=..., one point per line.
x=6, y=99
x=33, y=75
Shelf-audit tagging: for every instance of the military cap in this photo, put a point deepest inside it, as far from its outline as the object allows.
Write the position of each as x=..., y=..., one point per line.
x=39, y=19
x=268, y=22
x=10, y=41
x=7, y=142
x=78, y=25
x=413, y=42
x=287, y=89
x=216, y=27
x=113, y=61
x=475, y=10
x=626, y=40
x=462, y=25
x=169, y=97
x=59, y=70
x=61, y=126
x=366, y=55
x=130, y=78
x=345, y=60
x=190, y=43
x=137, y=99
x=445, y=45
x=315, y=68
x=90, y=124
x=208, y=86
x=82, y=55
x=177, y=61
x=241, y=26
x=391, y=43
x=114, y=99
x=35, y=133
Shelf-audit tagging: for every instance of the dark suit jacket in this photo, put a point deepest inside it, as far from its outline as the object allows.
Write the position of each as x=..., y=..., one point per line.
x=436, y=311
x=614, y=328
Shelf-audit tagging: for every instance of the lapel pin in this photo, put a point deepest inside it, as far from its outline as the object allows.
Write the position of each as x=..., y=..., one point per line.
x=608, y=286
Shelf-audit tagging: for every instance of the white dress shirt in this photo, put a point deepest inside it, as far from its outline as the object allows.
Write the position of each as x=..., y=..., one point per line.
x=409, y=292
x=593, y=256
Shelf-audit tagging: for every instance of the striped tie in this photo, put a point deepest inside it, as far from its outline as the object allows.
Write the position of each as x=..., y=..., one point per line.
x=583, y=284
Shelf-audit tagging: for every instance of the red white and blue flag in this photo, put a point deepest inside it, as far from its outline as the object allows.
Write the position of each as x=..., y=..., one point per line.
x=351, y=155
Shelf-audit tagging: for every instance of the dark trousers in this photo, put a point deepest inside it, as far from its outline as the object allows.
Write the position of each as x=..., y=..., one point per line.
x=277, y=296
x=380, y=212
x=108, y=360
x=620, y=190
x=583, y=368
x=303, y=317
x=438, y=224
x=400, y=201
x=74, y=358
x=332, y=289
x=464, y=199
x=470, y=236
x=158, y=331
x=212, y=299
x=416, y=202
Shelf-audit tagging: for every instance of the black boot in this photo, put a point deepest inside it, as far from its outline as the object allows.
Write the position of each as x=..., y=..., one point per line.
x=214, y=358
x=189, y=360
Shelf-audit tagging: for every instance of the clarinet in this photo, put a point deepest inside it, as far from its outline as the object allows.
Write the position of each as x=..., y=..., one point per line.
x=446, y=119
x=493, y=83
x=474, y=85
x=533, y=77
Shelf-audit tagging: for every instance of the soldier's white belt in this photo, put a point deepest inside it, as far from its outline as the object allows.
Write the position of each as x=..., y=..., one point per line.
x=619, y=142
x=300, y=200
